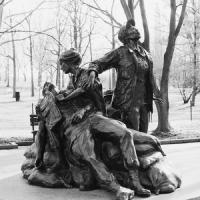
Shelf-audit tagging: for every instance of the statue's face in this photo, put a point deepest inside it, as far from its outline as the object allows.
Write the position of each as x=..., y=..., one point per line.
x=133, y=33
x=65, y=67
x=49, y=87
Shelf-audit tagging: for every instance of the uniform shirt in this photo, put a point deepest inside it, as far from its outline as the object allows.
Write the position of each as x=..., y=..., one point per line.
x=140, y=97
x=128, y=66
x=95, y=94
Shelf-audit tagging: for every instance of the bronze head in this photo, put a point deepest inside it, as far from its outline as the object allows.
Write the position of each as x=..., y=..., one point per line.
x=69, y=59
x=128, y=32
x=48, y=87
x=70, y=56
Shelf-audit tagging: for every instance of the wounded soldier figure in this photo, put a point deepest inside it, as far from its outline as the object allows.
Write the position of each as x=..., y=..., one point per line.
x=92, y=151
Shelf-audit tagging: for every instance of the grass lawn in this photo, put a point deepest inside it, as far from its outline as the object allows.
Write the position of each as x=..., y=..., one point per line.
x=14, y=116
x=180, y=116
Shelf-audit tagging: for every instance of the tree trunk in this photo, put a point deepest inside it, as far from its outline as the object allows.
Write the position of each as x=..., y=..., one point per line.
x=112, y=72
x=31, y=58
x=126, y=10
x=14, y=65
x=131, y=7
x=58, y=74
x=90, y=43
x=8, y=74
x=163, y=108
x=1, y=13
x=193, y=98
x=75, y=26
x=51, y=74
x=80, y=33
x=24, y=75
x=31, y=63
x=146, y=43
x=113, y=47
x=194, y=56
x=163, y=118
x=39, y=75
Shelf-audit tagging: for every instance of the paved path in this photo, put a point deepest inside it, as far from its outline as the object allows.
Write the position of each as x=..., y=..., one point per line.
x=12, y=187
x=10, y=161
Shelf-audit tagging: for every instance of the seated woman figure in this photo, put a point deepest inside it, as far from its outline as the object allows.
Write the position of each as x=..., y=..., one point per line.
x=91, y=161
x=74, y=124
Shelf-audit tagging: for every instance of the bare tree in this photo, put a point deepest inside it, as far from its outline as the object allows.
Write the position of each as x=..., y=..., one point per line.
x=14, y=26
x=14, y=62
x=30, y=55
x=163, y=108
x=81, y=27
x=61, y=28
x=55, y=48
x=6, y=63
x=114, y=24
x=1, y=11
x=90, y=38
x=12, y=29
x=128, y=7
x=78, y=20
x=174, y=29
x=8, y=73
x=186, y=97
x=194, y=39
x=40, y=54
x=113, y=77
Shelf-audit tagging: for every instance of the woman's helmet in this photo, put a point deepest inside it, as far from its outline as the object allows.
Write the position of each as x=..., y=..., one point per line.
x=128, y=32
x=70, y=56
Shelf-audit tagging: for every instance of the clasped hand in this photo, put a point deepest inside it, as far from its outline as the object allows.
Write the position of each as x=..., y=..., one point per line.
x=78, y=116
x=90, y=82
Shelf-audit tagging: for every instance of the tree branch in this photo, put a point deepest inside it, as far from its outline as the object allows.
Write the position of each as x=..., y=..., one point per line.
x=54, y=52
x=107, y=22
x=20, y=22
x=104, y=12
x=131, y=7
x=173, y=16
x=36, y=33
x=136, y=4
x=88, y=41
x=2, y=1
x=180, y=22
x=145, y=26
x=126, y=9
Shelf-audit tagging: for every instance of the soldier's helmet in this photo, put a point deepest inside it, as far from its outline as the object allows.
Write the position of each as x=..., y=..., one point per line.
x=124, y=34
x=70, y=56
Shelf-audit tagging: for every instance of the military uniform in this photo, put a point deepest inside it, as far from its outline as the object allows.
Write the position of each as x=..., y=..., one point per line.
x=95, y=94
x=133, y=94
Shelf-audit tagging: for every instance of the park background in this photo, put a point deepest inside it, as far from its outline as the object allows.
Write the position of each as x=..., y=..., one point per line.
x=34, y=33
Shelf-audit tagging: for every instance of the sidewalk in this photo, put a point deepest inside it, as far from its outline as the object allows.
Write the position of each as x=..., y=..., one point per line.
x=13, y=186
x=21, y=190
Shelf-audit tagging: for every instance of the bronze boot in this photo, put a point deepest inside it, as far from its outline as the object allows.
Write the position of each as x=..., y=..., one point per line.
x=136, y=186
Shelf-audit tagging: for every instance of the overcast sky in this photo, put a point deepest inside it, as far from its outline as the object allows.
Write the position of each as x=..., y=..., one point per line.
x=43, y=18
x=47, y=12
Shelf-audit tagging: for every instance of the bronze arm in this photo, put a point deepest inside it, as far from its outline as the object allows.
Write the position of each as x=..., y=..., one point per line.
x=72, y=95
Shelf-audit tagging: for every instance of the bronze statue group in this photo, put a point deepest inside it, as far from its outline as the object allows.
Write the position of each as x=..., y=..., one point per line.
x=79, y=145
